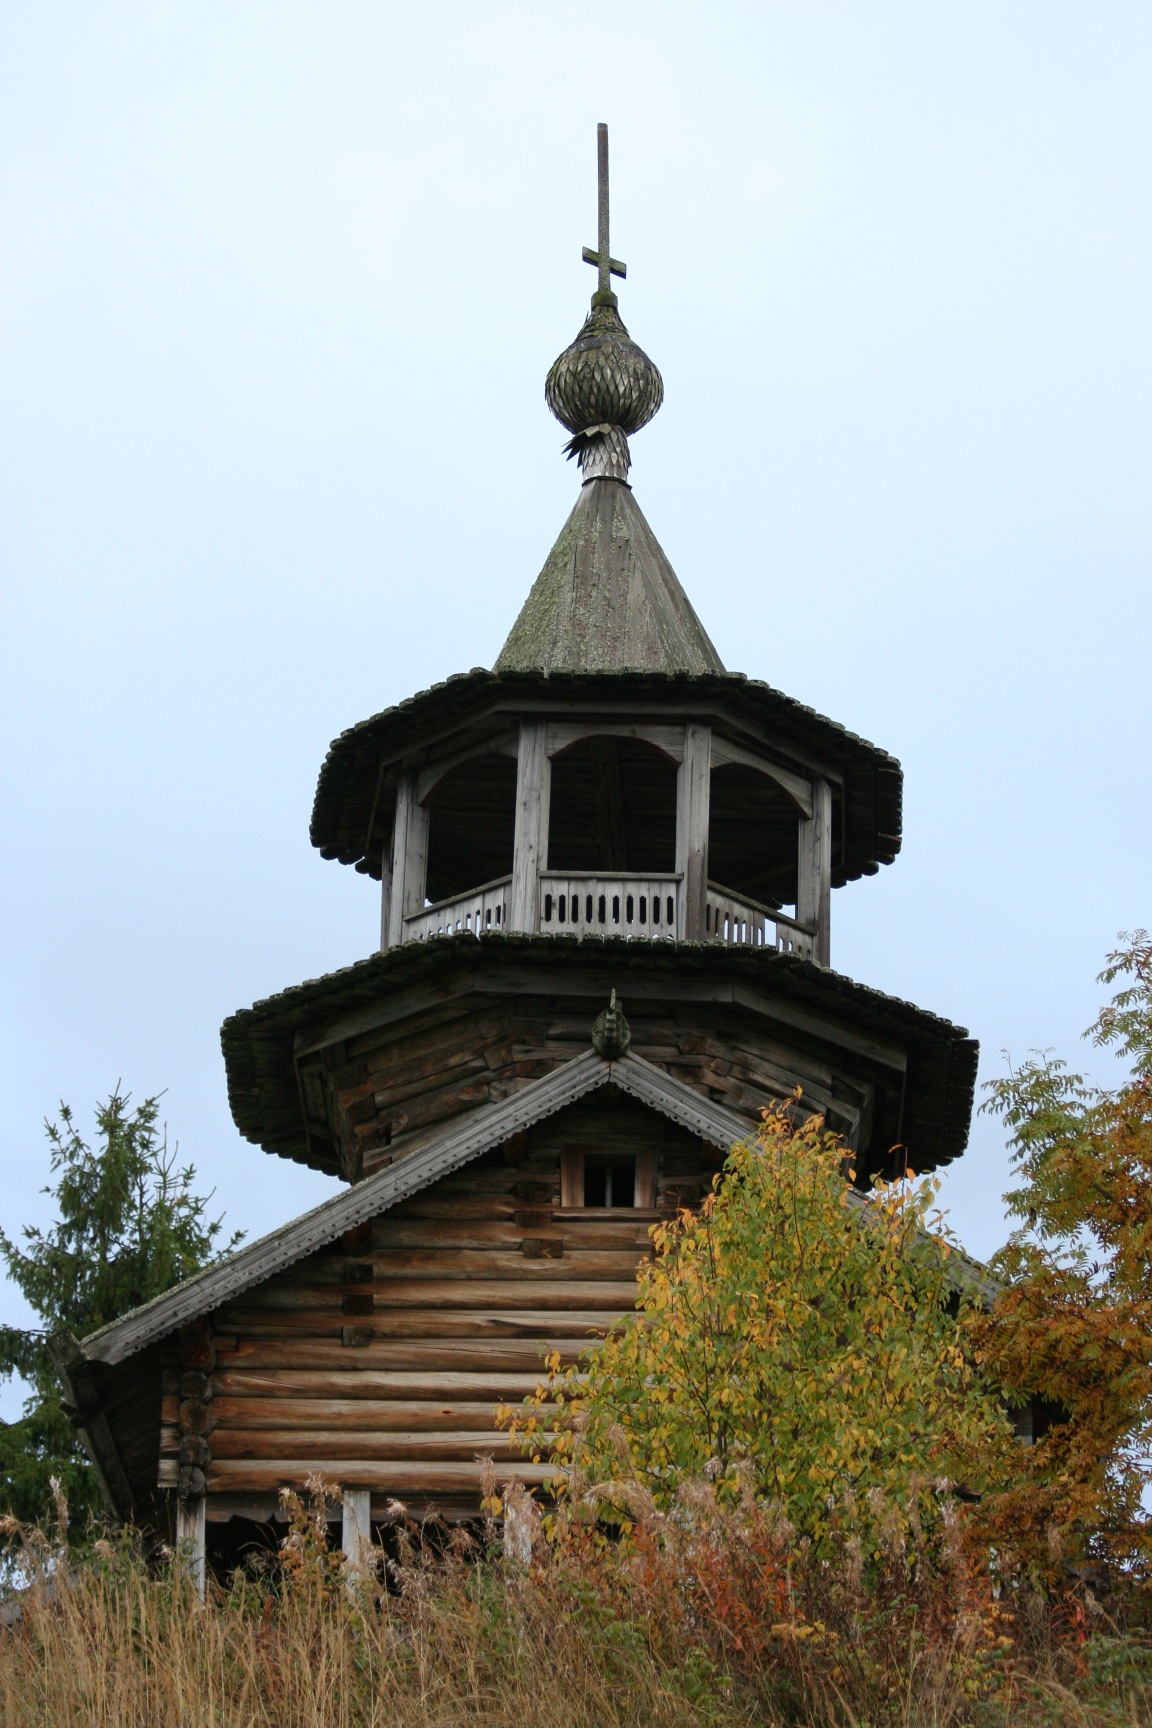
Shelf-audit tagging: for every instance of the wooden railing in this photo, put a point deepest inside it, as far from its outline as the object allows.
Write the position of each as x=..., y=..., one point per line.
x=746, y=924
x=623, y=904
x=484, y=908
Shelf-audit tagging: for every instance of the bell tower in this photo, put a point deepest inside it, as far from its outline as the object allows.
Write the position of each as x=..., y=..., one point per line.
x=606, y=871
x=608, y=808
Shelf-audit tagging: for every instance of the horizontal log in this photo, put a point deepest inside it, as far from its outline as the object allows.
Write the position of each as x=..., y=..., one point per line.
x=492, y=1322
x=304, y=1383
x=462, y=1444
x=591, y=1230
x=385, y=1476
x=421, y=1355
x=392, y=1415
x=434, y=1205
x=541, y=1284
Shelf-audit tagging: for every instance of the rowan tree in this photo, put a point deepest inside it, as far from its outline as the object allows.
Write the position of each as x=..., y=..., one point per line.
x=1074, y=1323
x=795, y=1335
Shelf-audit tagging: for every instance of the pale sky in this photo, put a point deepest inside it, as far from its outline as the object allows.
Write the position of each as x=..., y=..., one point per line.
x=280, y=283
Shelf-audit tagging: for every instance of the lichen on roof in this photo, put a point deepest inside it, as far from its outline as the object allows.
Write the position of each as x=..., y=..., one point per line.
x=607, y=599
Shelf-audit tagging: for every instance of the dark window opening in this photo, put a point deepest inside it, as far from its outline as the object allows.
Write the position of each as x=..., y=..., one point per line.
x=753, y=834
x=609, y=1181
x=613, y=807
x=472, y=818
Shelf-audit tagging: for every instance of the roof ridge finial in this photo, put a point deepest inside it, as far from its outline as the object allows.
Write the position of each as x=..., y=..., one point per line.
x=602, y=258
x=603, y=387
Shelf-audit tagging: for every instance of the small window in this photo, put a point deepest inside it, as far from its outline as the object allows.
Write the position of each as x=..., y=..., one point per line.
x=609, y=1181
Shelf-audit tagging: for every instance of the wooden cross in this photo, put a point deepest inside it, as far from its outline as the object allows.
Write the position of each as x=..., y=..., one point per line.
x=602, y=257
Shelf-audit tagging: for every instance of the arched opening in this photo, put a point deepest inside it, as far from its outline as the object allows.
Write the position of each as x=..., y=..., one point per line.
x=613, y=808
x=472, y=819
x=752, y=836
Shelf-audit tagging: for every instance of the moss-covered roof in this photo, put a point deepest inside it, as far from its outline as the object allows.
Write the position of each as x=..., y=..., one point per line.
x=607, y=599
x=258, y=1042
x=351, y=816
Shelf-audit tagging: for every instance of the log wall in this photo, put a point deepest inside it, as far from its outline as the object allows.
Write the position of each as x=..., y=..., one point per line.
x=379, y=1363
x=391, y=1089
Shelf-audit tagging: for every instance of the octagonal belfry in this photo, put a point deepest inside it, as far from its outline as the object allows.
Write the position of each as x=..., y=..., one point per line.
x=606, y=872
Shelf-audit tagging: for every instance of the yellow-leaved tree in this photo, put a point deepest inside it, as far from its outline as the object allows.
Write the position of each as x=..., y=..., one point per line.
x=794, y=1336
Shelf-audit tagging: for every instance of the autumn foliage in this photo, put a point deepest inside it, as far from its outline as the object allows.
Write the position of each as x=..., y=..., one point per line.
x=1073, y=1324
x=796, y=1340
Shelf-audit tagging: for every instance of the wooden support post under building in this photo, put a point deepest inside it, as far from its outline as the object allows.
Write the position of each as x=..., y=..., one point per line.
x=530, y=847
x=191, y=1540
x=409, y=859
x=814, y=891
x=693, y=797
x=356, y=1532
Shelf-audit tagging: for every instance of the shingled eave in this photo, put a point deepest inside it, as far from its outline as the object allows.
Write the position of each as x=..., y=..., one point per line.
x=351, y=811
x=258, y=1042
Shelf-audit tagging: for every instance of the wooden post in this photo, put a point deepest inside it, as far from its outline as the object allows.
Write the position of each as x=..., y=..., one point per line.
x=386, y=900
x=530, y=849
x=409, y=858
x=191, y=1540
x=693, y=795
x=356, y=1534
x=814, y=875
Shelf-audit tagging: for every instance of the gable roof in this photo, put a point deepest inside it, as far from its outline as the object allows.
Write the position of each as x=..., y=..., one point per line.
x=487, y=1127
x=938, y=1059
x=607, y=599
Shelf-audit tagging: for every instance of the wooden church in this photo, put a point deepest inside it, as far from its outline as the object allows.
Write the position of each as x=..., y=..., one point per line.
x=607, y=810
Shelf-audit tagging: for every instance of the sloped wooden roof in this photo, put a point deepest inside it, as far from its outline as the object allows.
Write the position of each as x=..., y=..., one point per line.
x=607, y=599
x=355, y=795
x=259, y=1042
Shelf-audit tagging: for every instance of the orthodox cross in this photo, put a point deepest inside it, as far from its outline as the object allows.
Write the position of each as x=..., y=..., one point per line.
x=602, y=257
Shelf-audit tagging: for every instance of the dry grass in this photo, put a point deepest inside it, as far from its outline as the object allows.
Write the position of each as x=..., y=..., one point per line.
x=590, y=1636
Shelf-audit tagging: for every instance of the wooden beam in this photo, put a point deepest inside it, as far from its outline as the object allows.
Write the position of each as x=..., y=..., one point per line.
x=814, y=891
x=724, y=753
x=191, y=1541
x=356, y=1533
x=530, y=846
x=409, y=858
x=668, y=739
x=693, y=790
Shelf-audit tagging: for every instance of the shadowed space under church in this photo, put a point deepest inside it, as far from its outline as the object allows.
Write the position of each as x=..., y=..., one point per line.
x=607, y=810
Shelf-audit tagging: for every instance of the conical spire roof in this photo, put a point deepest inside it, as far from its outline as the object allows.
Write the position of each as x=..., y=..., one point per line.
x=607, y=599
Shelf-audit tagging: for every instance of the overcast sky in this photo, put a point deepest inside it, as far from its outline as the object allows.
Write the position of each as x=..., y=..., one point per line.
x=280, y=284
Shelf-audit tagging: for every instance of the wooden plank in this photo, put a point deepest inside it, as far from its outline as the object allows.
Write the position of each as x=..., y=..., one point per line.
x=356, y=1531
x=692, y=802
x=814, y=891
x=530, y=847
x=391, y=1476
x=409, y=856
x=191, y=1541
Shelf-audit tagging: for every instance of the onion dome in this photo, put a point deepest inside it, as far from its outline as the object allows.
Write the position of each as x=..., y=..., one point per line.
x=604, y=378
